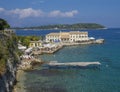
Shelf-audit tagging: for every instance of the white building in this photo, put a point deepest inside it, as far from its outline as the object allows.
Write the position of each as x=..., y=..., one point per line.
x=72, y=36
x=52, y=37
x=78, y=36
x=21, y=47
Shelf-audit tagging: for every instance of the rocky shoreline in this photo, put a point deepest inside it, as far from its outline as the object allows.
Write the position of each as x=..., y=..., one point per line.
x=25, y=64
x=20, y=77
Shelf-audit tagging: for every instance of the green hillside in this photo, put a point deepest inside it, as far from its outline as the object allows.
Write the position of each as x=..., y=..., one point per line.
x=69, y=26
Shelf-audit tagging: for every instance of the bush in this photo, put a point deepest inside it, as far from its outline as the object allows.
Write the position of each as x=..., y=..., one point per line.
x=25, y=40
x=3, y=24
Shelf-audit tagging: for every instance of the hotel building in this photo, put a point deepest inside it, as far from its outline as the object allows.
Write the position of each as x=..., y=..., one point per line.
x=72, y=36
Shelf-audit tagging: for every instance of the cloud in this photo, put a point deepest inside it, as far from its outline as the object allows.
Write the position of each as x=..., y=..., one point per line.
x=58, y=13
x=2, y=9
x=30, y=12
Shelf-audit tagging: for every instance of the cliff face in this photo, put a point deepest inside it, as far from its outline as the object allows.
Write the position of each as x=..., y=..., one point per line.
x=8, y=79
x=8, y=61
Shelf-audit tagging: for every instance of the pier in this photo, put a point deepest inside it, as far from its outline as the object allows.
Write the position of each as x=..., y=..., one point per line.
x=72, y=64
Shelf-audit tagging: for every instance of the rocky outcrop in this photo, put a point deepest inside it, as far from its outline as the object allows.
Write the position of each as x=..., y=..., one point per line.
x=8, y=52
x=8, y=79
x=10, y=62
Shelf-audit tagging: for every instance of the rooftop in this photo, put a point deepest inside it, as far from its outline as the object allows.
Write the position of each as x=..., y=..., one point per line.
x=52, y=34
x=62, y=34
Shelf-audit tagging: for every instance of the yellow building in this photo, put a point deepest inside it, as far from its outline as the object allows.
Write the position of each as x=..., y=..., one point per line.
x=35, y=44
x=72, y=36
x=64, y=36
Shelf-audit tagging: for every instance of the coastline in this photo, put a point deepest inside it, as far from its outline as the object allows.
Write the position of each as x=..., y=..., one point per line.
x=20, y=73
x=28, y=62
x=82, y=79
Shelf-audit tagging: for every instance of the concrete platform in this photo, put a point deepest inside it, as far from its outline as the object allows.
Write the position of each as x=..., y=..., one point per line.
x=80, y=64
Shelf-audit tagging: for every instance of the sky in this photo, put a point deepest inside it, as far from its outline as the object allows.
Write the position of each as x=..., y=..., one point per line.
x=21, y=13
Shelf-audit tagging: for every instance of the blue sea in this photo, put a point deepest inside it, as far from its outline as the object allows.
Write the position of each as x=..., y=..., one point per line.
x=105, y=78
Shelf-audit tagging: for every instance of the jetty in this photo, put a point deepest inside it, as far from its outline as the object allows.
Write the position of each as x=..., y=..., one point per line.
x=72, y=64
x=99, y=41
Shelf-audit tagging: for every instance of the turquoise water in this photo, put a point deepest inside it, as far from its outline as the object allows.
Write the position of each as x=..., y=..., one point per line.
x=106, y=78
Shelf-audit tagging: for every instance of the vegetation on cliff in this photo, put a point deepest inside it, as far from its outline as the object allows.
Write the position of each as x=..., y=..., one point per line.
x=3, y=24
x=69, y=26
x=8, y=48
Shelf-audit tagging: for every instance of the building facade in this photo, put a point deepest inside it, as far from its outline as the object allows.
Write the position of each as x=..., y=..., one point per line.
x=72, y=36
x=35, y=44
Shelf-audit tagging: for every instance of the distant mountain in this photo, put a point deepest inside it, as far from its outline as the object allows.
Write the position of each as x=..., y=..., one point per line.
x=68, y=26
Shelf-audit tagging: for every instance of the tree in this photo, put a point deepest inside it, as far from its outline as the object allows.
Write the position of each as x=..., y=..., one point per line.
x=3, y=24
